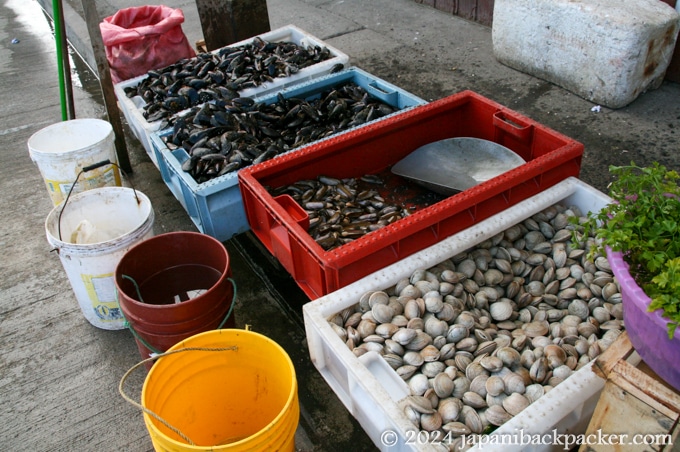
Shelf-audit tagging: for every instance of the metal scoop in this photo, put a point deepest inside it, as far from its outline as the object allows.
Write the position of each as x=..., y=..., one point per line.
x=455, y=164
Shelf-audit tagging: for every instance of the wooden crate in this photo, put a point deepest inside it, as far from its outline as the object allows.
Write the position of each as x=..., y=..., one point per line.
x=635, y=402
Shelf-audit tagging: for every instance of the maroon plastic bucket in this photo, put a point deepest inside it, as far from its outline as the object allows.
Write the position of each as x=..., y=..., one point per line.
x=173, y=286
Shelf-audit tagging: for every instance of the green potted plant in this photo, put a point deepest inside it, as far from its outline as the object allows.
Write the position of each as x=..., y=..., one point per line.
x=640, y=234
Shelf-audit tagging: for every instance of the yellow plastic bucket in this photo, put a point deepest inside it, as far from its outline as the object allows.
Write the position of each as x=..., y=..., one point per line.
x=241, y=399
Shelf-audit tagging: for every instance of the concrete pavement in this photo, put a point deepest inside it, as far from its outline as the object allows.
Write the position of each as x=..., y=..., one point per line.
x=60, y=375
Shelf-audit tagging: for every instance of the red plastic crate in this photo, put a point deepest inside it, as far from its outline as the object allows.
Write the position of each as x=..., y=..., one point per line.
x=280, y=224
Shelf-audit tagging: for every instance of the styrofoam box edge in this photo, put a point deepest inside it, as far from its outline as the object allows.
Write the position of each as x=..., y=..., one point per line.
x=372, y=399
x=142, y=129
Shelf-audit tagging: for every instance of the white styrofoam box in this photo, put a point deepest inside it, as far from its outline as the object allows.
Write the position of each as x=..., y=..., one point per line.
x=606, y=52
x=134, y=107
x=370, y=389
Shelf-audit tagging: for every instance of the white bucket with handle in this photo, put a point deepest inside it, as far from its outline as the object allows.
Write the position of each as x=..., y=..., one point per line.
x=63, y=149
x=92, y=231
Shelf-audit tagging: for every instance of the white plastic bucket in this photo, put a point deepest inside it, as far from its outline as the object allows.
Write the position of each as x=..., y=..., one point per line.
x=61, y=150
x=98, y=227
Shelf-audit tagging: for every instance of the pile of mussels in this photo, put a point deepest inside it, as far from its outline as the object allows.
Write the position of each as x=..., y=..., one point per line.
x=342, y=210
x=228, y=135
x=220, y=75
x=484, y=334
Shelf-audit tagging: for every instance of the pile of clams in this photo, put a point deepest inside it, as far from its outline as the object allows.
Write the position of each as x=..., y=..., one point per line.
x=482, y=335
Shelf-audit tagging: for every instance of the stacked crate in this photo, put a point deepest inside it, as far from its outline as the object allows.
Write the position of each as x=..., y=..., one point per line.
x=335, y=279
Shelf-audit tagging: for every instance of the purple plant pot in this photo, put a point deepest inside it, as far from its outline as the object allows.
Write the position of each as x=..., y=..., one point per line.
x=647, y=330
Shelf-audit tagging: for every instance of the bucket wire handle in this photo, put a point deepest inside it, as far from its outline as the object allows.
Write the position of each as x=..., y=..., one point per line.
x=84, y=170
x=141, y=339
x=148, y=411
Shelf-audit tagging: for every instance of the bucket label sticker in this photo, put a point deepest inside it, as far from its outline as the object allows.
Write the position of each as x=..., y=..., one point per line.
x=107, y=177
x=101, y=290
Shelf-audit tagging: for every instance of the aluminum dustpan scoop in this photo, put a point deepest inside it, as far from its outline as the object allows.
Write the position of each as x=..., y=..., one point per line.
x=455, y=164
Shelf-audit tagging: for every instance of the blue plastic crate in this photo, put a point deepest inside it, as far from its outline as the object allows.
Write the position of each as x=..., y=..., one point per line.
x=215, y=206
x=142, y=129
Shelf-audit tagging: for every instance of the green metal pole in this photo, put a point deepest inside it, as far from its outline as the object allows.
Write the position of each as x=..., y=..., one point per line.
x=56, y=13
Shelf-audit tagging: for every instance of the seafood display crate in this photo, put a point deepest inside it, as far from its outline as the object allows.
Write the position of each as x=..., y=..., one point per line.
x=370, y=389
x=216, y=206
x=550, y=156
x=133, y=107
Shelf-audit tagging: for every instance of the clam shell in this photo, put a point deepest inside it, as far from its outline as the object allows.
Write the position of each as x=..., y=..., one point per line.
x=340, y=331
x=413, y=358
x=491, y=363
x=501, y=310
x=433, y=301
x=447, y=313
x=365, y=328
x=474, y=400
x=478, y=385
x=461, y=385
x=418, y=384
x=457, y=332
x=431, y=421
x=419, y=403
x=468, y=344
x=406, y=371
x=386, y=330
x=411, y=309
x=514, y=383
x=430, y=353
x=447, y=351
x=442, y=385
x=392, y=346
x=416, y=323
x=474, y=370
x=539, y=370
x=467, y=267
x=449, y=409
x=378, y=297
x=508, y=355
x=382, y=313
x=472, y=419
x=419, y=342
x=533, y=392
x=394, y=361
x=533, y=329
x=404, y=336
x=496, y=415
x=493, y=276
x=515, y=403
x=485, y=348
x=494, y=385
x=435, y=327
x=462, y=361
x=456, y=429
x=433, y=368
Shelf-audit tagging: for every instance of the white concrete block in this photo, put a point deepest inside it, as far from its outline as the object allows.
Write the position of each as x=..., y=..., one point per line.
x=606, y=51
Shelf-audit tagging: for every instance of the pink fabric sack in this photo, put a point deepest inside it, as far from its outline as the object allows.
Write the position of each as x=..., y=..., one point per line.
x=141, y=38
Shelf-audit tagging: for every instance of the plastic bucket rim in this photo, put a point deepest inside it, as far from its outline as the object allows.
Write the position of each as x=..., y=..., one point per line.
x=70, y=154
x=636, y=295
x=223, y=274
x=292, y=395
x=219, y=309
x=108, y=245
